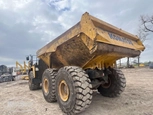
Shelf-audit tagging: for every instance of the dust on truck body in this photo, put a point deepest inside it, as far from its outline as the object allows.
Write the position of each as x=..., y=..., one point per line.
x=82, y=59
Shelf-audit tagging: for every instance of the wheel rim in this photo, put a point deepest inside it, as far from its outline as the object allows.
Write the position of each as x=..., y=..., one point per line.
x=46, y=85
x=107, y=85
x=63, y=90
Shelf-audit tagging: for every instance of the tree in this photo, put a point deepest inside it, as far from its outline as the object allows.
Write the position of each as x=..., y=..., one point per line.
x=144, y=29
x=143, y=37
x=147, y=22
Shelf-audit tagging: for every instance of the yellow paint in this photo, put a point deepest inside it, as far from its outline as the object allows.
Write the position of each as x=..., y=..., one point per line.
x=87, y=27
x=19, y=65
x=103, y=60
x=25, y=77
x=46, y=58
x=92, y=31
x=46, y=85
x=141, y=65
x=63, y=90
x=34, y=70
x=23, y=69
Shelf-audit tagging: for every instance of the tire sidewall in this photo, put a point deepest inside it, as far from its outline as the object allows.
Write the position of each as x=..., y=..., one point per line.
x=30, y=79
x=46, y=76
x=68, y=105
x=50, y=75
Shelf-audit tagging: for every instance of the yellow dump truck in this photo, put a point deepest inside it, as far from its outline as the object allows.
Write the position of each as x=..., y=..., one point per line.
x=81, y=60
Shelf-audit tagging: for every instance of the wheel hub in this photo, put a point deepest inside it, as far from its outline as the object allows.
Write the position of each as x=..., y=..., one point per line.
x=46, y=85
x=107, y=85
x=63, y=90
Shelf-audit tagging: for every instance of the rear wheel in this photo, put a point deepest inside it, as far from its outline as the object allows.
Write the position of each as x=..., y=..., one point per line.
x=33, y=86
x=73, y=90
x=115, y=86
x=48, y=85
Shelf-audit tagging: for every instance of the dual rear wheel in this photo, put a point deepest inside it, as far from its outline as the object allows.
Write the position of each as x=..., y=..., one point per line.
x=72, y=91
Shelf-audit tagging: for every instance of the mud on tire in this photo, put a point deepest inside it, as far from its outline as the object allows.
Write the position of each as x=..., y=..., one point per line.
x=117, y=85
x=79, y=88
x=48, y=85
x=32, y=86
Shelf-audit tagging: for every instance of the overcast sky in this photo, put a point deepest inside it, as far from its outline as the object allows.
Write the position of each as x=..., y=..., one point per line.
x=27, y=25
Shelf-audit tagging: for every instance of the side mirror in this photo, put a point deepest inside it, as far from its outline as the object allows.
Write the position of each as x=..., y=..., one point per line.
x=27, y=58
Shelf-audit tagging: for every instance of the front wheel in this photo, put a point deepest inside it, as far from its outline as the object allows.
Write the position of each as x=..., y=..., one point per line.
x=33, y=86
x=48, y=85
x=73, y=90
x=115, y=86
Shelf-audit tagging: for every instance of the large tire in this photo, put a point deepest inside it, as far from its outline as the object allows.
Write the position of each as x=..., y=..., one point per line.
x=115, y=86
x=48, y=85
x=32, y=86
x=76, y=94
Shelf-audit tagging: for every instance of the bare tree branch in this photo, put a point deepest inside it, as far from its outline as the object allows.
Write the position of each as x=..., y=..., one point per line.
x=147, y=27
x=142, y=34
x=147, y=22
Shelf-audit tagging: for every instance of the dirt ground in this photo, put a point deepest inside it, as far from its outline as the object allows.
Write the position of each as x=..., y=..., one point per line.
x=137, y=99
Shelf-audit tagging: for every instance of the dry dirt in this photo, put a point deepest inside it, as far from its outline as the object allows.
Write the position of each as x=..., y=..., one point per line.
x=137, y=99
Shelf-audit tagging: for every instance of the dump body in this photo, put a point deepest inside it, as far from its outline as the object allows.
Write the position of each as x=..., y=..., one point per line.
x=90, y=43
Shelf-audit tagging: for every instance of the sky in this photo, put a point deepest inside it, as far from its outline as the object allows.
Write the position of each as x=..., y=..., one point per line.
x=28, y=25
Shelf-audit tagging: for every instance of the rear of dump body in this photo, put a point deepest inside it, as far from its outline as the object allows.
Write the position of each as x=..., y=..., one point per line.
x=90, y=43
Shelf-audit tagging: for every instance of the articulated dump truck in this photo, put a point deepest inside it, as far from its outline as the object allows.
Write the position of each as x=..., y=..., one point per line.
x=81, y=60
